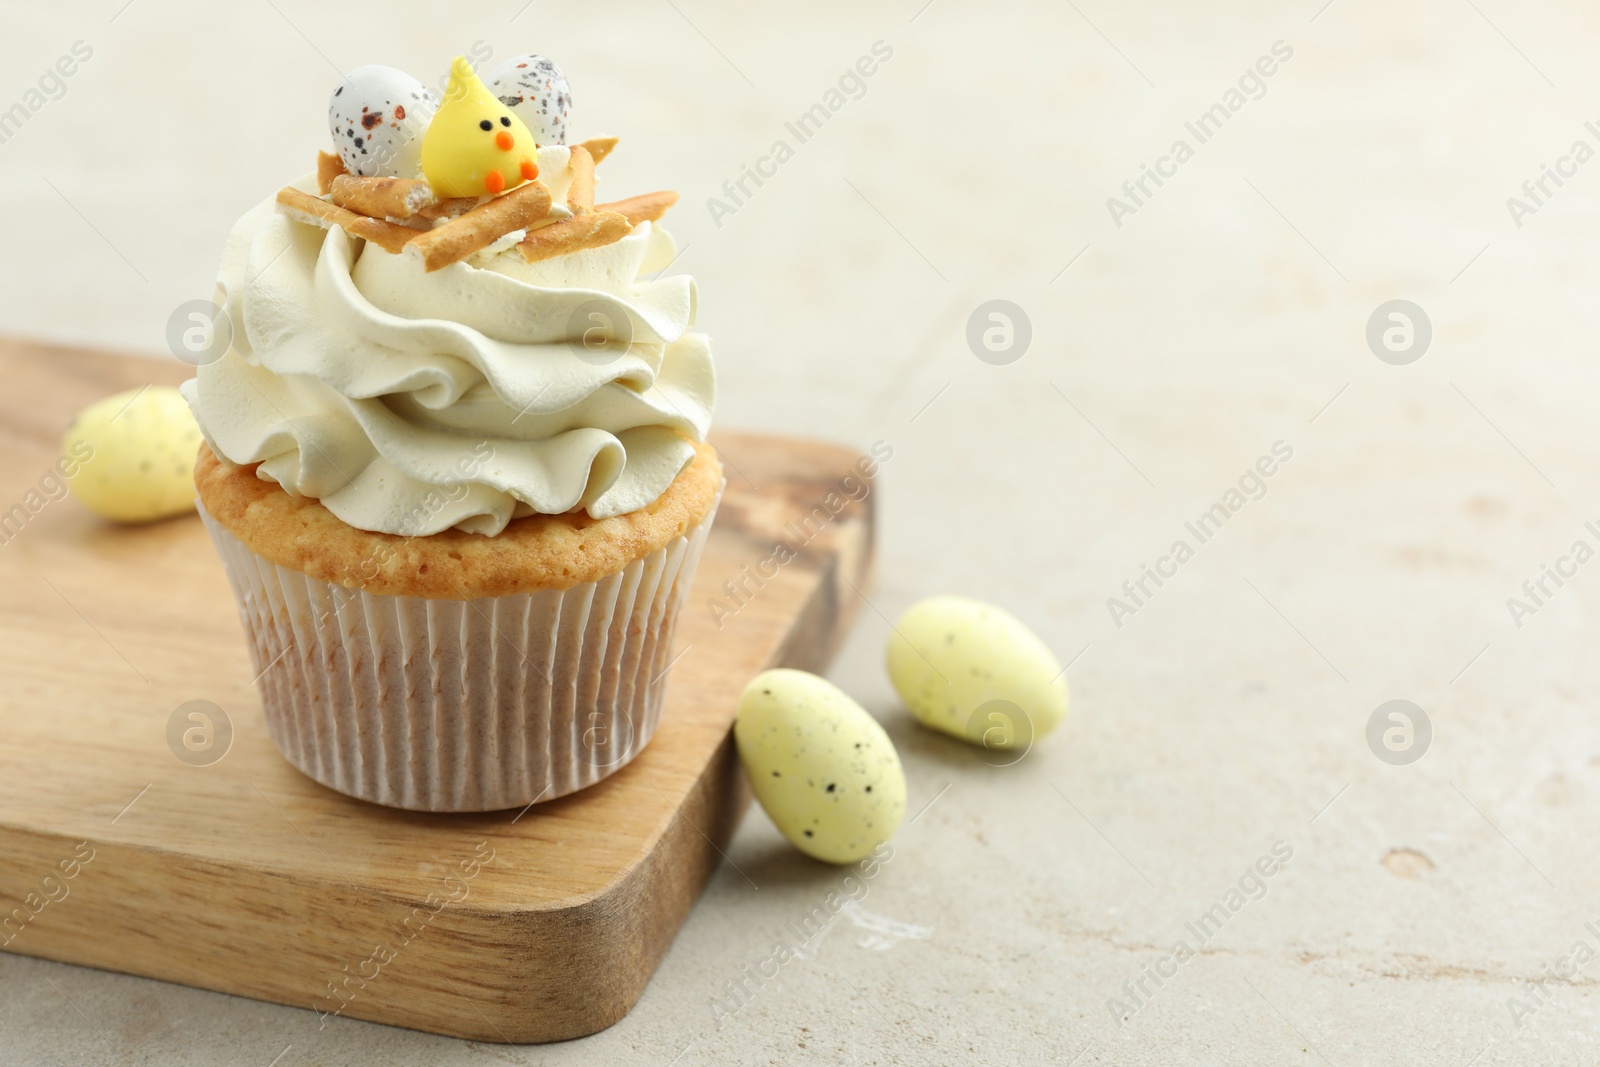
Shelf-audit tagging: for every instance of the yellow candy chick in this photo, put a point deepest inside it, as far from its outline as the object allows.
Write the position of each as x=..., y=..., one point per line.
x=475, y=145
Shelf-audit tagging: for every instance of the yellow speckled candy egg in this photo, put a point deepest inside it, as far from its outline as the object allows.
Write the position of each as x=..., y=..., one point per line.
x=823, y=768
x=976, y=672
x=134, y=455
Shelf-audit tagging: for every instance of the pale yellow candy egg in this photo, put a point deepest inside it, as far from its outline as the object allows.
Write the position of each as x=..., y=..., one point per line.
x=823, y=769
x=134, y=455
x=976, y=672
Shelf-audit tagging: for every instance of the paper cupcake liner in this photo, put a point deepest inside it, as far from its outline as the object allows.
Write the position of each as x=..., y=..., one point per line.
x=461, y=705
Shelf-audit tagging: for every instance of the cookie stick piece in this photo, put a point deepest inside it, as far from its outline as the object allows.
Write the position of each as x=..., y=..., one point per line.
x=329, y=167
x=482, y=226
x=599, y=147
x=589, y=230
x=642, y=208
x=314, y=211
x=451, y=207
x=580, y=191
x=382, y=198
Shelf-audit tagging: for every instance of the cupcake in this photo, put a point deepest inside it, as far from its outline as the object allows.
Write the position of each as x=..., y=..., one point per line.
x=455, y=461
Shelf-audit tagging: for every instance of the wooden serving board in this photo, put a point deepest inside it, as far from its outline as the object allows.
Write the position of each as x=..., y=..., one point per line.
x=247, y=877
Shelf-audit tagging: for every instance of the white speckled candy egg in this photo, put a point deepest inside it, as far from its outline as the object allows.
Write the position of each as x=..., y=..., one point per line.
x=976, y=672
x=537, y=92
x=132, y=455
x=377, y=116
x=823, y=768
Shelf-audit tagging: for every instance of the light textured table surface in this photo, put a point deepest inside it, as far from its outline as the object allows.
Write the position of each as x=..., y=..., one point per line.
x=1227, y=313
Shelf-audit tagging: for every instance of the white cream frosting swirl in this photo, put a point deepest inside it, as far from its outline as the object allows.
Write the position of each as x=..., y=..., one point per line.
x=410, y=403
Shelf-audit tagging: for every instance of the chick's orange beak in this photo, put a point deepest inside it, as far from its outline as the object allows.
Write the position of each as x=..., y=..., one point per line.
x=504, y=141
